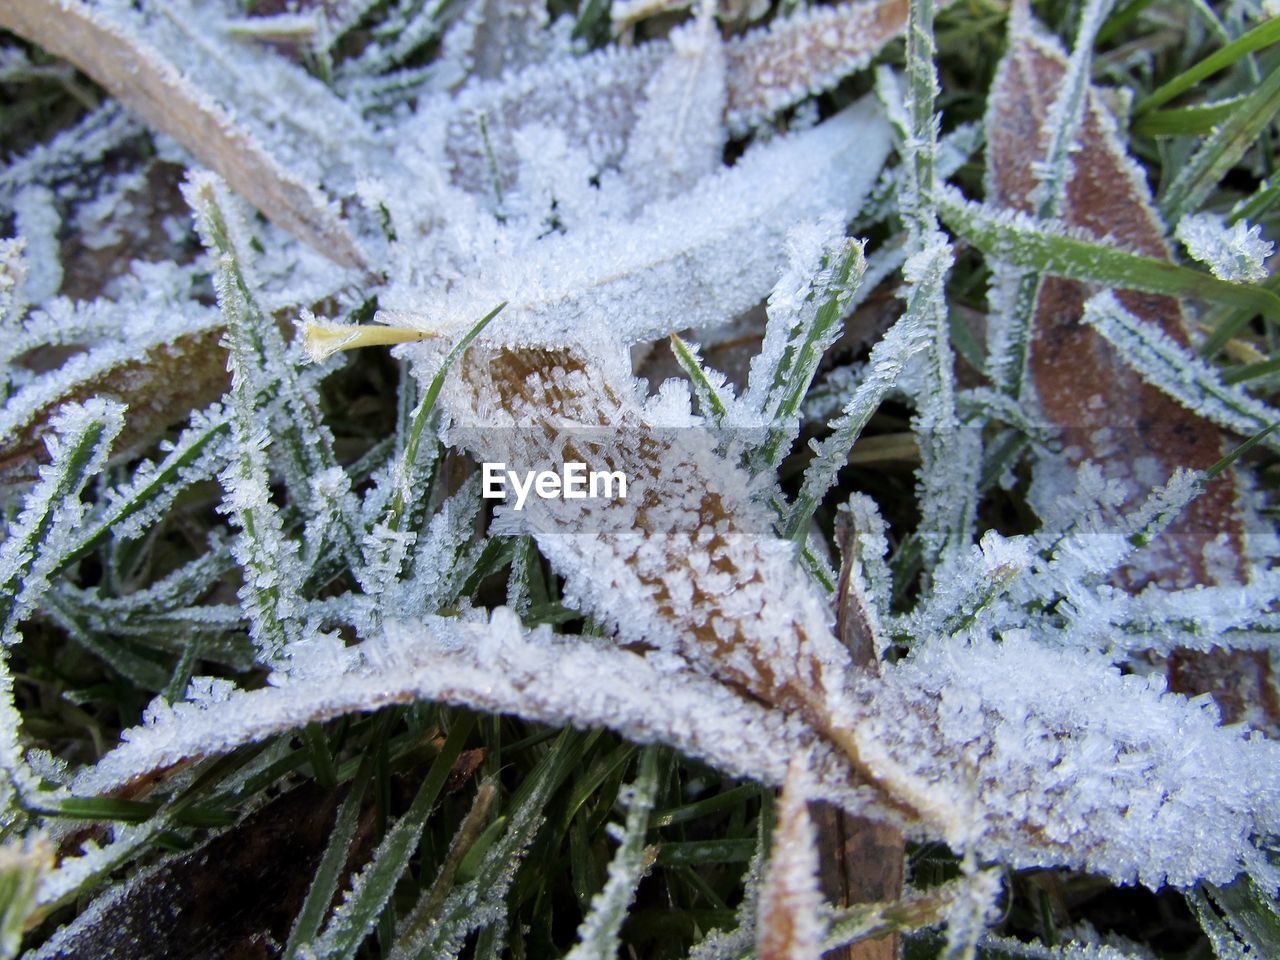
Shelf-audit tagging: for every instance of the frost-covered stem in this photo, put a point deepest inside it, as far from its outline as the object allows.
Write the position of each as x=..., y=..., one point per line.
x=922, y=143
x=945, y=506
x=43, y=531
x=790, y=925
x=271, y=580
x=598, y=935
x=948, y=455
x=1061, y=128
x=429, y=905
x=305, y=440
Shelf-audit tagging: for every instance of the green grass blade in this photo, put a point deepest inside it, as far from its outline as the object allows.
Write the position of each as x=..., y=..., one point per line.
x=1222, y=150
x=320, y=894
x=1186, y=121
x=800, y=359
x=1261, y=36
x=371, y=891
x=1021, y=241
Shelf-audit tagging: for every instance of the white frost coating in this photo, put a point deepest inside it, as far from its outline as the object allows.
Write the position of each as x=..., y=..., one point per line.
x=13, y=270
x=695, y=260
x=1094, y=769
x=37, y=221
x=679, y=133
x=1185, y=377
x=70, y=151
x=1236, y=253
x=139, y=326
x=498, y=667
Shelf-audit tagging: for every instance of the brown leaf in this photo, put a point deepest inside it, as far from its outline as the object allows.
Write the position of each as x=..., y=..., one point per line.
x=235, y=897
x=1106, y=412
x=154, y=87
x=767, y=71
x=162, y=382
x=773, y=68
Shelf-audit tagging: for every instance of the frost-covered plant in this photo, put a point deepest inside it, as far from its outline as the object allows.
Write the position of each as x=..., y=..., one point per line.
x=565, y=234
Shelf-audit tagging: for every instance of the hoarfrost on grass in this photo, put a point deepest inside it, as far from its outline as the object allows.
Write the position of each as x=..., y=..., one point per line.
x=1236, y=253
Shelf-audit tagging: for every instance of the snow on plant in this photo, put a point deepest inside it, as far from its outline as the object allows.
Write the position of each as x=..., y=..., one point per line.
x=1237, y=252
x=527, y=222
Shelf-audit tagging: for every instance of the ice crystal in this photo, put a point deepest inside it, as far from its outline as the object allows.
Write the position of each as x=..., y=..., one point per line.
x=1236, y=253
x=581, y=203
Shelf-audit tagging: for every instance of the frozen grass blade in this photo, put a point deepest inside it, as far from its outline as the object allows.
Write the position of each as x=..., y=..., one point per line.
x=1063, y=120
x=707, y=384
x=889, y=358
x=273, y=574
x=598, y=935
x=138, y=505
x=371, y=890
x=312, y=473
x=1178, y=372
x=409, y=470
x=1060, y=130
x=1222, y=150
x=1019, y=240
x=809, y=328
x=40, y=538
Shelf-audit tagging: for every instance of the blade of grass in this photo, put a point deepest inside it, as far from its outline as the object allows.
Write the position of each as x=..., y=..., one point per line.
x=371, y=891
x=1023, y=242
x=325, y=883
x=1261, y=36
x=1197, y=120
x=1222, y=150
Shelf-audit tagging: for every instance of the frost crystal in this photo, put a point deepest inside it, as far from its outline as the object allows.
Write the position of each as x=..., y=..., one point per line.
x=1236, y=253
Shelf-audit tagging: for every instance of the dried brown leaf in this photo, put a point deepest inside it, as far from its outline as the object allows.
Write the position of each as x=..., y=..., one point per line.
x=773, y=68
x=236, y=896
x=1107, y=413
x=161, y=384
x=154, y=87
x=766, y=71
